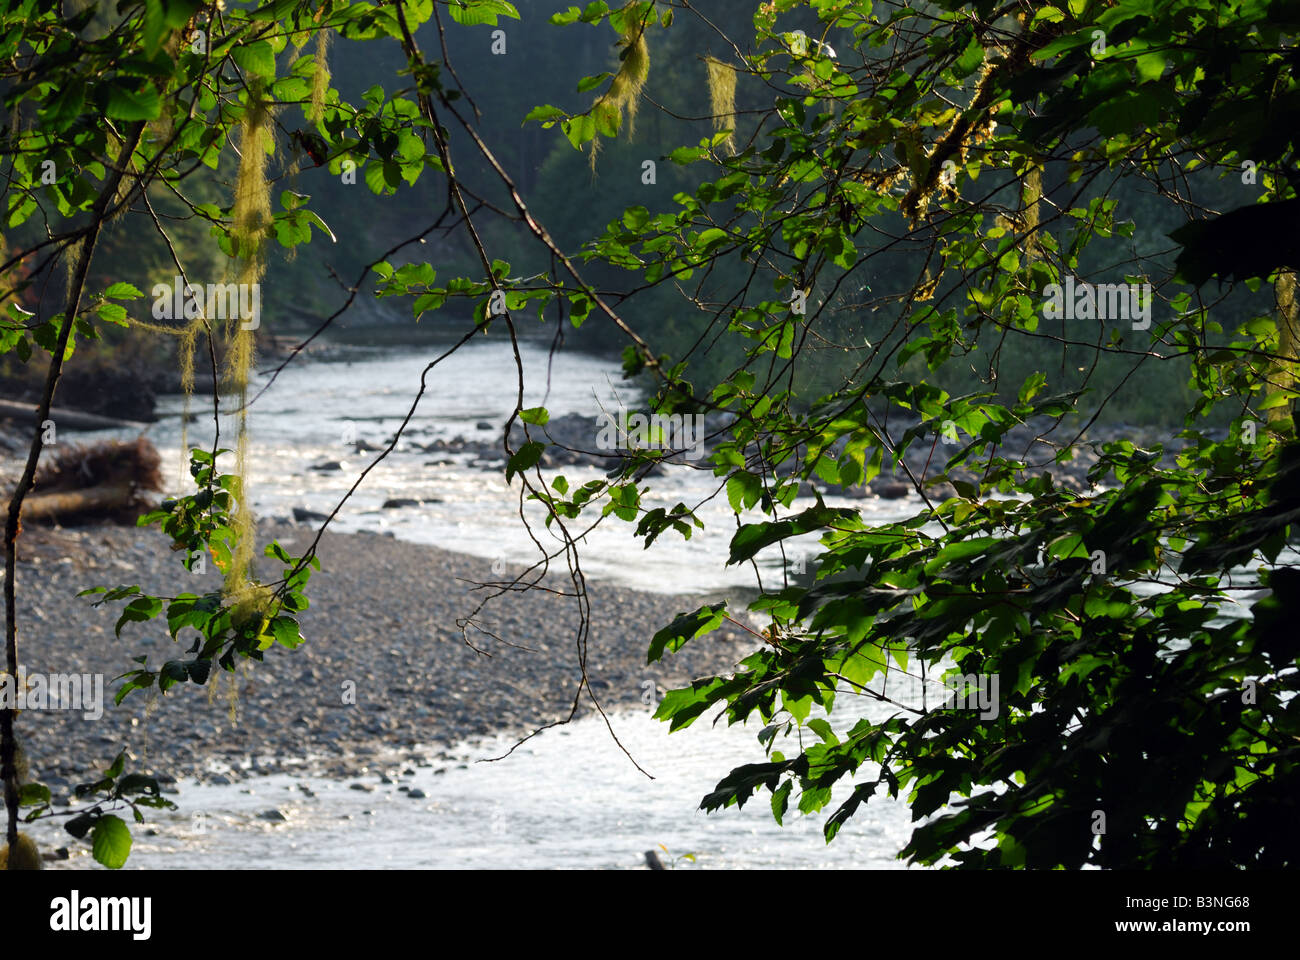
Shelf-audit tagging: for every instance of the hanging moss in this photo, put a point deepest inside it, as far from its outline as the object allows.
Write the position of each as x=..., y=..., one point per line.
x=320, y=81
x=1030, y=196
x=722, y=99
x=252, y=208
x=252, y=219
x=620, y=102
x=251, y=604
x=1288, y=336
x=226, y=683
x=27, y=856
x=972, y=127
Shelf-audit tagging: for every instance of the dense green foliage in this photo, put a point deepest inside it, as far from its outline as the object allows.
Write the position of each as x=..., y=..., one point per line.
x=1138, y=725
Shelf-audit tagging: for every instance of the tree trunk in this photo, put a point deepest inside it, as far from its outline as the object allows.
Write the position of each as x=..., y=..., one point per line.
x=84, y=251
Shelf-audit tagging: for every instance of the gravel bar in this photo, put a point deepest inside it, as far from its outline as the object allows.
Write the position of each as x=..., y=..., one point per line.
x=382, y=617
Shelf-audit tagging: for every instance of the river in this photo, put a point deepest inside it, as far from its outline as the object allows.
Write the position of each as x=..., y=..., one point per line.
x=569, y=797
x=315, y=410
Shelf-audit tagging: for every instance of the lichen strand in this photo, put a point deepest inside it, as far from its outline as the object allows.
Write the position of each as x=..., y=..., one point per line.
x=1288, y=337
x=188, y=340
x=621, y=100
x=252, y=219
x=252, y=209
x=1031, y=193
x=972, y=126
x=320, y=80
x=251, y=605
x=27, y=856
x=722, y=99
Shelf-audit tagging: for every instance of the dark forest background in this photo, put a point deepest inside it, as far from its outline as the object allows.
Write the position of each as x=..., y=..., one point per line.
x=543, y=64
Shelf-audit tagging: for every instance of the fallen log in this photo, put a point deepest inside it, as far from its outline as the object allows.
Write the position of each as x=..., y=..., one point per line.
x=106, y=479
x=25, y=413
x=104, y=498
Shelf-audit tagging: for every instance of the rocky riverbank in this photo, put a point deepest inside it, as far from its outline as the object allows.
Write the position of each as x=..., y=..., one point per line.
x=574, y=439
x=382, y=622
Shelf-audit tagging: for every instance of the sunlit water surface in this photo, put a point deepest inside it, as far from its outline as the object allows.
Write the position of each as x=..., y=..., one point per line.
x=568, y=798
x=315, y=409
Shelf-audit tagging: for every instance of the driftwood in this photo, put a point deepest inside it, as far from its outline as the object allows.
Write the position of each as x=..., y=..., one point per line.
x=104, y=498
x=104, y=479
x=25, y=413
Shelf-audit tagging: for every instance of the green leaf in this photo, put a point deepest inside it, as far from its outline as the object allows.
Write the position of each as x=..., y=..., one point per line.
x=480, y=12
x=31, y=794
x=686, y=627
x=117, y=766
x=708, y=239
x=527, y=457
x=113, y=313
x=544, y=113
x=970, y=59
x=822, y=728
x=257, y=58
x=1151, y=66
x=753, y=537
x=286, y=632
x=111, y=841
x=80, y=825
x=125, y=103
x=535, y=415
x=138, y=611
x=66, y=105
x=743, y=490
x=136, y=783
x=123, y=291
x=781, y=801
x=579, y=130
x=590, y=83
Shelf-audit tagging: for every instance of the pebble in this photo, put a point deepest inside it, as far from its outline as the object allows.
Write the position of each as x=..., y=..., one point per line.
x=373, y=595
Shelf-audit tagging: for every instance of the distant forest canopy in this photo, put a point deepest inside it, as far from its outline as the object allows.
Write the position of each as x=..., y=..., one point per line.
x=508, y=70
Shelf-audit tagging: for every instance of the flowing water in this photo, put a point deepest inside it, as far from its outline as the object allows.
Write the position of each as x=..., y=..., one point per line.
x=567, y=798
x=315, y=410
